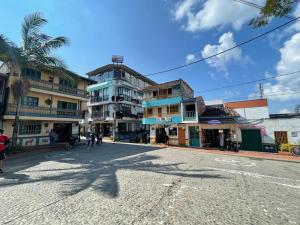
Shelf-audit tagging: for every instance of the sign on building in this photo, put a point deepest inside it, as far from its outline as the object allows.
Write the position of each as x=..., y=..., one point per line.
x=117, y=59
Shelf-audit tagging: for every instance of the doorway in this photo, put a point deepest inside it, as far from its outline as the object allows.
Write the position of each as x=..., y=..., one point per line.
x=63, y=131
x=251, y=140
x=281, y=137
x=194, y=136
x=181, y=136
x=106, y=129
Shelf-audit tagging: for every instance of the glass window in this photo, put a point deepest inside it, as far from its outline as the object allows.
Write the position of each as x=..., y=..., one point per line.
x=149, y=111
x=67, y=83
x=30, y=101
x=163, y=92
x=31, y=74
x=66, y=105
x=174, y=109
x=155, y=93
x=30, y=128
x=170, y=91
x=173, y=131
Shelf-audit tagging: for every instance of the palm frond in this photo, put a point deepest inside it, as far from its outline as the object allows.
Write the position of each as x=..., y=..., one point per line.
x=54, y=43
x=9, y=52
x=31, y=27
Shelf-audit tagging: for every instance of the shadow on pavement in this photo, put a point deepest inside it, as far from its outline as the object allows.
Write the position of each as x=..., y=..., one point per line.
x=95, y=168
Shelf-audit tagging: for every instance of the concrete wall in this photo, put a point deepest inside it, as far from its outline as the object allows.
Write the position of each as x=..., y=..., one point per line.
x=291, y=125
x=253, y=113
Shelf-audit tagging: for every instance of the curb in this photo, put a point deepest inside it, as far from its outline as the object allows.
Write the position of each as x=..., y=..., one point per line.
x=295, y=160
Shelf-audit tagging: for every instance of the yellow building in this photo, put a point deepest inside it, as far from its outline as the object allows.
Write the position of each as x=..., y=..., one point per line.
x=53, y=102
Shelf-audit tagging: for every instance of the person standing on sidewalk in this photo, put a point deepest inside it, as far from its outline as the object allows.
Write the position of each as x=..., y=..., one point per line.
x=52, y=135
x=4, y=141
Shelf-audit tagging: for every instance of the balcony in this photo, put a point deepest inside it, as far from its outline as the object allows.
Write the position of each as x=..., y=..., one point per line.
x=189, y=116
x=44, y=112
x=49, y=86
x=95, y=99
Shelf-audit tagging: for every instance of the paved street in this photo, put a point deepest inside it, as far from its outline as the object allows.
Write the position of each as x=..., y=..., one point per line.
x=134, y=184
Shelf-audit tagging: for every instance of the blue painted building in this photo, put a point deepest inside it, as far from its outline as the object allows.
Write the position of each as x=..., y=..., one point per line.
x=171, y=109
x=117, y=93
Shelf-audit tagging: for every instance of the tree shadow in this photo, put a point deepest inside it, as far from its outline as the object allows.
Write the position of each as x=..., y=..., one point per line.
x=97, y=169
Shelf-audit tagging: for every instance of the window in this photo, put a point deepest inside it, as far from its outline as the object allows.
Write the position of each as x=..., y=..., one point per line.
x=155, y=93
x=170, y=91
x=30, y=101
x=50, y=80
x=67, y=83
x=30, y=128
x=159, y=110
x=66, y=105
x=123, y=74
x=31, y=74
x=149, y=111
x=174, y=109
x=163, y=92
x=173, y=131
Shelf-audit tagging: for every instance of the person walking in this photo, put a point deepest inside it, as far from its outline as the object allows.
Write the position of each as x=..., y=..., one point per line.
x=4, y=141
x=93, y=137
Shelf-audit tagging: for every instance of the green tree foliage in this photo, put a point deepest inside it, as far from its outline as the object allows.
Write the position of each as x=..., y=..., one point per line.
x=272, y=8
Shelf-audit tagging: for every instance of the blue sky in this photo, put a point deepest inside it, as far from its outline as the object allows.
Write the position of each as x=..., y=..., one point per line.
x=156, y=35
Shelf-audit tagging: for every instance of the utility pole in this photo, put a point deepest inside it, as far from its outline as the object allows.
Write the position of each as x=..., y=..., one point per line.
x=261, y=90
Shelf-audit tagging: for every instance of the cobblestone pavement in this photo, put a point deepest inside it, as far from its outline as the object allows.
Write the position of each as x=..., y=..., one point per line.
x=135, y=184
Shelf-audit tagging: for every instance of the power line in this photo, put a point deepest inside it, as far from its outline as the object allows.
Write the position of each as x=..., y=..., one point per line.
x=249, y=82
x=272, y=94
x=226, y=50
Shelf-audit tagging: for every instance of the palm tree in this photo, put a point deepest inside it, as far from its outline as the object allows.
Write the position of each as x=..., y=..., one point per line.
x=35, y=52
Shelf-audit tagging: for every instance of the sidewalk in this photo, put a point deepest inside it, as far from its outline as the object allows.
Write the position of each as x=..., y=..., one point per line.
x=250, y=154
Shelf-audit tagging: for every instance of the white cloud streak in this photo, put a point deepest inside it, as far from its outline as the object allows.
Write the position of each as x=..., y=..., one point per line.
x=214, y=14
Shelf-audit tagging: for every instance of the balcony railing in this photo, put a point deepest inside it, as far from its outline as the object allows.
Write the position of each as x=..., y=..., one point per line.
x=44, y=112
x=99, y=98
x=189, y=115
x=50, y=86
x=100, y=114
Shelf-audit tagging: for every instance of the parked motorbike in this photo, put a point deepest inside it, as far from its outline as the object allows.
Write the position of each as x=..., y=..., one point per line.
x=231, y=146
x=71, y=142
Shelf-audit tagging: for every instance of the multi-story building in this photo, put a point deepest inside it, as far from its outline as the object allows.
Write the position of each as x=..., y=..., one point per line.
x=116, y=98
x=53, y=102
x=171, y=109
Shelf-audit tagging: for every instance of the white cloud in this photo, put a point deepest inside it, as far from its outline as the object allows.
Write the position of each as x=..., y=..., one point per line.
x=221, y=62
x=231, y=93
x=296, y=13
x=190, y=58
x=285, y=110
x=285, y=86
x=214, y=13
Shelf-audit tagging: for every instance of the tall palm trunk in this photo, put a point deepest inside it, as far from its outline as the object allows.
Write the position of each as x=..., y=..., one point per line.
x=16, y=123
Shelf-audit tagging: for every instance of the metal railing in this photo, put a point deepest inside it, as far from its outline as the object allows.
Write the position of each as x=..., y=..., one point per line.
x=189, y=115
x=99, y=98
x=44, y=112
x=45, y=85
